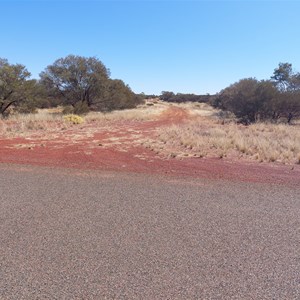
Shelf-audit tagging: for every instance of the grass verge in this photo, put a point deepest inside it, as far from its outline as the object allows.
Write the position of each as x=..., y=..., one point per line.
x=262, y=142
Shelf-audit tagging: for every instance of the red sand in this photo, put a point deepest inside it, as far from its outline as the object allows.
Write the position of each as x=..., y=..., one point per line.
x=95, y=152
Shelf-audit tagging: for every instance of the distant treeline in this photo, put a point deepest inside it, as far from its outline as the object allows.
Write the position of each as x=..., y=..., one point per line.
x=78, y=83
x=251, y=100
x=180, y=97
x=81, y=84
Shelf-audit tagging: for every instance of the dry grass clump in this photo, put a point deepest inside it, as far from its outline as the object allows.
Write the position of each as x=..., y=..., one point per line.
x=41, y=115
x=24, y=124
x=141, y=113
x=263, y=142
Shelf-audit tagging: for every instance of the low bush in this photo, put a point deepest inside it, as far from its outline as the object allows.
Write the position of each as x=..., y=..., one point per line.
x=68, y=110
x=74, y=119
x=81, y=108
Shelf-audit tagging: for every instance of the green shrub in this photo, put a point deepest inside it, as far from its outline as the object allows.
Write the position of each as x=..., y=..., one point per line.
x=81, y=108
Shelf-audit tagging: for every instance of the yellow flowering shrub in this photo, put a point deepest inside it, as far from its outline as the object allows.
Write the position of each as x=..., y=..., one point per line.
x=74, y=119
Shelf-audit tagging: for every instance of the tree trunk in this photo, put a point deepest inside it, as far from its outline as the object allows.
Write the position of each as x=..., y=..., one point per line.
x=289, y=118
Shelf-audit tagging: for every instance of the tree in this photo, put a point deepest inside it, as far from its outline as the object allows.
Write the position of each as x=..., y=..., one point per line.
x=248, y=99
x=118, y=96
x=266, y=95
x=285, y=78
x=287, y=103
x=84, y=82
x=76, y=79
x=282, y=76
x=165, y=95
x=15, y=86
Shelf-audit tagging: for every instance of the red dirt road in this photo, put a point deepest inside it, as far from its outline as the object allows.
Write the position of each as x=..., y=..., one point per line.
x=120, y=149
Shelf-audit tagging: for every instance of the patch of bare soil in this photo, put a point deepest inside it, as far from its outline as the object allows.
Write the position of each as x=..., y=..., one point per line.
x=123, y=147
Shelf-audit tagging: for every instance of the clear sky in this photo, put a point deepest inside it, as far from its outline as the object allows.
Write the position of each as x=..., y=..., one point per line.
x=181, y=46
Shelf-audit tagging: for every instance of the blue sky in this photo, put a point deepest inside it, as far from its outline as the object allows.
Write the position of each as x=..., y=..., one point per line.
x=181, y=46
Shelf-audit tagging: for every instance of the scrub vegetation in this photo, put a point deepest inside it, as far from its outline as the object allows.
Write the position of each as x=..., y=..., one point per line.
x=251, y=119
x=79, y=83
x=264, y=142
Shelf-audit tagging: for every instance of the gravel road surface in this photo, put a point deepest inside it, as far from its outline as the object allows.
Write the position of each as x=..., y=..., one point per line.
x=67, y=234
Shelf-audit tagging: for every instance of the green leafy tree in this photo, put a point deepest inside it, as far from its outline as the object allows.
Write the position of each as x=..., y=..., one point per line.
x=248, y=99
x=15, y=87
x=166, y=96
x=287, y=105
x=282, y=76
x=119, y=96
x=251, y=100
x=84, y=83
x=76, y=79
x=287, y=102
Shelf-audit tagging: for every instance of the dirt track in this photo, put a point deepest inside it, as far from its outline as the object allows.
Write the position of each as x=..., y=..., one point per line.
x=120, y=149
x=71, y=234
